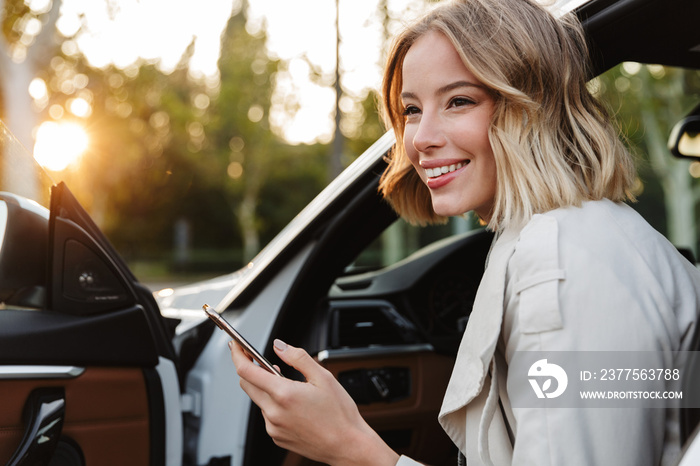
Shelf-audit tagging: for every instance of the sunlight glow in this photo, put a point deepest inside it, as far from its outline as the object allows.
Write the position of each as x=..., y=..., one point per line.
x=128, y=32
x=165, y=292
x=59, y=145
x=80, y=107
x=37, y=89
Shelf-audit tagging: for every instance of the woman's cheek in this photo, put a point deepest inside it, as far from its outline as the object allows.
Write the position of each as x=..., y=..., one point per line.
x=411, y=152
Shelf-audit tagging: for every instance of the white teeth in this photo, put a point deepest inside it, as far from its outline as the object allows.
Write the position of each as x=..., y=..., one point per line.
x=437, y=171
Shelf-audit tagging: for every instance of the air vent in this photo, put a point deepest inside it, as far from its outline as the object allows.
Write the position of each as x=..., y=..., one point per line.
x=368, y=325
x=353, y=284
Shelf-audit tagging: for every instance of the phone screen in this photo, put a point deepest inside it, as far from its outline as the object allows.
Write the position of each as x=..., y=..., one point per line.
x=247, y=347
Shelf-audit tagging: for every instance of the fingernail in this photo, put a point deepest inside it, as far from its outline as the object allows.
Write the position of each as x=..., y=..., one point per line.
x=280, y=345
x=230, y=345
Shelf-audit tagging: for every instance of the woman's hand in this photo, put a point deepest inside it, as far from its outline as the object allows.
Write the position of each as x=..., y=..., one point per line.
x=316, y=418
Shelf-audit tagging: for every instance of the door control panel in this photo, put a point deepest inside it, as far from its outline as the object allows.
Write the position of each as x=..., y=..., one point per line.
x=386, y=384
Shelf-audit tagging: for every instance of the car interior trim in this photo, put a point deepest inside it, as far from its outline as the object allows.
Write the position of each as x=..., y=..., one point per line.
x=40, y=372
x=345, y=353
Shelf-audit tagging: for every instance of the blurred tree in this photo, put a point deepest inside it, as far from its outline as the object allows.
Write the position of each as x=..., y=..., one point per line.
x=291, y=183
x=266, y=180
x=205, y=155
x=244, y=146
x=335, y=163
x=364, y=125
x=648, y=100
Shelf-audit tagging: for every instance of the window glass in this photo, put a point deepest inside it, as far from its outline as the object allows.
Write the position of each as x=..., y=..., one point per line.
x=647, y=101
x=402, y=239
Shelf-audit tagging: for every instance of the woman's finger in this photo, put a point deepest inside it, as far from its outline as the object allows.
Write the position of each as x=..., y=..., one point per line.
x=248, y=370
x=300, y=360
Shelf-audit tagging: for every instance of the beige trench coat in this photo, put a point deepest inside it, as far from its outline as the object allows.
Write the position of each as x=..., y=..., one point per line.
x=595, y=278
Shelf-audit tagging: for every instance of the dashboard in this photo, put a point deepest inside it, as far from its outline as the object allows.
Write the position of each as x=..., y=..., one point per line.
x=425, y=298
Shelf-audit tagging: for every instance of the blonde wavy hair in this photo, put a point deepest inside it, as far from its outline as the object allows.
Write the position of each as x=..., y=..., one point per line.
x=553, y=142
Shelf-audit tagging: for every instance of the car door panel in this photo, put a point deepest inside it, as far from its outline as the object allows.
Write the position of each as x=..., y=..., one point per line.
x=107, y=412
x=90, y=315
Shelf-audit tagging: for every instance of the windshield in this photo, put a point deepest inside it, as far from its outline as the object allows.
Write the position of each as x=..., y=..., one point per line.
x=21, y=174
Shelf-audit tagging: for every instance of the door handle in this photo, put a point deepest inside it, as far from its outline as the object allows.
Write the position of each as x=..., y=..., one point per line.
x=44, y=413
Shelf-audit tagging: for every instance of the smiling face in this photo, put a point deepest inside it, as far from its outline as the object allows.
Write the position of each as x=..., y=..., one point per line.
x=448, y=113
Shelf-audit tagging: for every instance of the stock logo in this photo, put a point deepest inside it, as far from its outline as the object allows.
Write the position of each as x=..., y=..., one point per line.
x=542, y=373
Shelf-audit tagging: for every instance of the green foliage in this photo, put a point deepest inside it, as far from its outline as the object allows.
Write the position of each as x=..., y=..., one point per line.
x=630, y=89
x=371, y=127
x=291, y=184
x=647, y=100
x=266, y=180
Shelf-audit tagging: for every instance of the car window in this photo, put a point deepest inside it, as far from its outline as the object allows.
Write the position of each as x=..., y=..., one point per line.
x=647, y=101
x=402, y=239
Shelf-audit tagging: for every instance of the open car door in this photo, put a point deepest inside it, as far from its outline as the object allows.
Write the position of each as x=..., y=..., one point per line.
x=87, y=370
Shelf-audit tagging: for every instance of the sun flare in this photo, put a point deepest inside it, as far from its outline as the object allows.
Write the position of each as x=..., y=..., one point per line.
x=59, y=145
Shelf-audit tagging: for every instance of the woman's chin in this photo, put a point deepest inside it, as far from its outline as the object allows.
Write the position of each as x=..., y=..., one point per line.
x=448, y=206
x=447, y=211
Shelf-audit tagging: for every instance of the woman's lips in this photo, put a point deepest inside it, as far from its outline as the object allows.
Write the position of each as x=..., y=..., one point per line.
x=439, y=176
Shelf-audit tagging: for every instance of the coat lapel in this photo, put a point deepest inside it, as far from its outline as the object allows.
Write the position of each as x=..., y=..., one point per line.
x=479, y=341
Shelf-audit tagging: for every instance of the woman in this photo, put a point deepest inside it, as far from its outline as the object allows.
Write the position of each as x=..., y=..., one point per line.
x=489, y=103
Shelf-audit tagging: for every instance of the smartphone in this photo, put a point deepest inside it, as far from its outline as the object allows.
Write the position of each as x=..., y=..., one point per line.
x=247, y=347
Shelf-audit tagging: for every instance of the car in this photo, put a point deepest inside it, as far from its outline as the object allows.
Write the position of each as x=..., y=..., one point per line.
x=97, y=369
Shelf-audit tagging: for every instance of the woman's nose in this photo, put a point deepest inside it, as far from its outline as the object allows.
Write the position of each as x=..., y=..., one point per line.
x=428, y=135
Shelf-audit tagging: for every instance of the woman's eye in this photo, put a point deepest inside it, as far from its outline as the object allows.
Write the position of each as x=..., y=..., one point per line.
x=461, y=102
x=411, y=110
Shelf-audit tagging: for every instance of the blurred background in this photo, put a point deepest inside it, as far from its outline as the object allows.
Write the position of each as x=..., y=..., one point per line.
x=193, y=132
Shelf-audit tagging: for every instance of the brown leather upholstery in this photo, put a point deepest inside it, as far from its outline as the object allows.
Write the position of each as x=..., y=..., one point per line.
x=106, y=414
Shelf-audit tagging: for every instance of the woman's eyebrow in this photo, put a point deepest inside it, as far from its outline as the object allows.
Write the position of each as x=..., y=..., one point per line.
x=445, y=89
x=457, y=85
